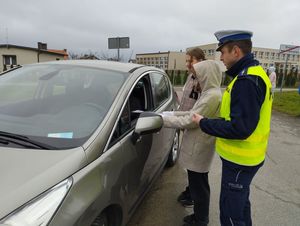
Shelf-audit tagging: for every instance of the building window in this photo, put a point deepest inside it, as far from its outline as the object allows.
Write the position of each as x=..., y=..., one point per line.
x=272, y=56
x=267, y=55
x=9, y=60
x=211, y=52
x=292, y=57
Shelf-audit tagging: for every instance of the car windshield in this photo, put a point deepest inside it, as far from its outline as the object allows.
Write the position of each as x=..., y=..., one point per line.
x=58, y=105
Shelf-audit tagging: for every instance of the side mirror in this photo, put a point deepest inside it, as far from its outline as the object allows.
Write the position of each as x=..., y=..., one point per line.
x=147, y=123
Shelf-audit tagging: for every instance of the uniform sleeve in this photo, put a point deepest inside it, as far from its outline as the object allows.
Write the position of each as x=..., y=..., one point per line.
x=247, y=96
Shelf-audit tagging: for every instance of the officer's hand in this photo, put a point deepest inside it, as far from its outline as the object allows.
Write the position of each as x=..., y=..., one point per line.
x=196, y=118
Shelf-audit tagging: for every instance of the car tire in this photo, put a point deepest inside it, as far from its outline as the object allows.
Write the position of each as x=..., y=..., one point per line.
x=174, y=152
x=101, y=220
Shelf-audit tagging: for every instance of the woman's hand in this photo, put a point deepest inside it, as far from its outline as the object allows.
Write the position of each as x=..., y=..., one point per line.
x=197, y=118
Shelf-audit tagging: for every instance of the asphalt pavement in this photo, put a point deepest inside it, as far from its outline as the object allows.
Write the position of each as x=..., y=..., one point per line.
x=275, y=191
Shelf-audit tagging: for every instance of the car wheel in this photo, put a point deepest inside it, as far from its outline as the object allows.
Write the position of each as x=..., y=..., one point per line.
x=174, y=152
x=101, y=220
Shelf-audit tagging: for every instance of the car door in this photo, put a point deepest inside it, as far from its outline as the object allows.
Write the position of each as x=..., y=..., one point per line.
x=162, y=141
x=135, y=155
x=159, y=143
x=142, y=160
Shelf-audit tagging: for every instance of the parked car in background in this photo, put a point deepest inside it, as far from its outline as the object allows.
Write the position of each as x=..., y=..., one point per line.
x=81, y=141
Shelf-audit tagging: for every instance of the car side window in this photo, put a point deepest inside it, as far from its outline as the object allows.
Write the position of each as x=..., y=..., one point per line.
x=160, y=88
x=139, y=100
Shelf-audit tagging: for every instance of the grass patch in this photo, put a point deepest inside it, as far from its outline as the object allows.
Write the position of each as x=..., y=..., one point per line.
x=287, y=102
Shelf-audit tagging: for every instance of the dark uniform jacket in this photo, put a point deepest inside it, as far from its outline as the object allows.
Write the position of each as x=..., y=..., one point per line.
x=247, y=96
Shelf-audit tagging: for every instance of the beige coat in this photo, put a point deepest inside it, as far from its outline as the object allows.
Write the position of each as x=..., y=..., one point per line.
x=197, y=148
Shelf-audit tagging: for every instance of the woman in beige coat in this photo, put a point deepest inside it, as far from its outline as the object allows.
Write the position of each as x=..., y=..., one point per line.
x=197, y=148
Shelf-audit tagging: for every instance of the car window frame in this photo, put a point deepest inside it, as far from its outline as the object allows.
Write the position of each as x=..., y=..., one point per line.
x=111, y=143
x=169, y=89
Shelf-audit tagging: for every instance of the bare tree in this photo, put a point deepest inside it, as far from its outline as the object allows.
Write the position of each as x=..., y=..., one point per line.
x=106, y=56
x=94, y=55
x=74, y=56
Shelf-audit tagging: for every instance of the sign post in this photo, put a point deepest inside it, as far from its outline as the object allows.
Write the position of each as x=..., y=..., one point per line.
x=118, y=43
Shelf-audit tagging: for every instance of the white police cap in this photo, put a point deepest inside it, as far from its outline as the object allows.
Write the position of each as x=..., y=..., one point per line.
x=226, y=36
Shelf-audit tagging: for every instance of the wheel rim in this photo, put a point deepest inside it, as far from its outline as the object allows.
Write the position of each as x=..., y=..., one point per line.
x=175, y=147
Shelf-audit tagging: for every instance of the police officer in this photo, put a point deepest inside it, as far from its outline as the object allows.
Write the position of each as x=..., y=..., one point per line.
x=243, y=130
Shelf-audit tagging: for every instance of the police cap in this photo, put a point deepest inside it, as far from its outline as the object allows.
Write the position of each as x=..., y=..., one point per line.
x=226, y=36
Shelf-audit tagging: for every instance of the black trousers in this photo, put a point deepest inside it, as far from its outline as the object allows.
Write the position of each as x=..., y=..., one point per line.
x=200, y=193
x=235, y=207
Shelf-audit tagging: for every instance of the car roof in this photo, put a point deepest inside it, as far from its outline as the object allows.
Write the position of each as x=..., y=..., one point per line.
x=101, y=64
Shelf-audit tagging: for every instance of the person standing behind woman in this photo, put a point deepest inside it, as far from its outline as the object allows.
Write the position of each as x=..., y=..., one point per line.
x=191, y=93
x=272, y=77
x=197, y=149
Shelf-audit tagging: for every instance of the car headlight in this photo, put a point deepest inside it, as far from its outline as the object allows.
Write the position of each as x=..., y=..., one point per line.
x=39, y=211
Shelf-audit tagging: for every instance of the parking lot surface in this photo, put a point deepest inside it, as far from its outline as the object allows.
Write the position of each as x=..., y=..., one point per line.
x=275, y=191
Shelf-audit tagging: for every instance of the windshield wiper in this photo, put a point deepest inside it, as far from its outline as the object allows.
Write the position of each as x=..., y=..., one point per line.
x=14, y=138
x=7, y=141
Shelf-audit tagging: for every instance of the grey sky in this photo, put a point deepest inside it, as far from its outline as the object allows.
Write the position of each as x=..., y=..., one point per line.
x=156, y=25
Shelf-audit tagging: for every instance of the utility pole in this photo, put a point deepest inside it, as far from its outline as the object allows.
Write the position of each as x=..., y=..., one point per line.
x=6, y=35
x=174, y=71
x=118, y=39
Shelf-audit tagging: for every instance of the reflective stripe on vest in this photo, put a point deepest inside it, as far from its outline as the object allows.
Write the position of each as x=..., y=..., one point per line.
x=251, y=151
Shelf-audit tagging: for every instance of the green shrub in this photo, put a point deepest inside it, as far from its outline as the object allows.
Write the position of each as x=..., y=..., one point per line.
x=287, y=102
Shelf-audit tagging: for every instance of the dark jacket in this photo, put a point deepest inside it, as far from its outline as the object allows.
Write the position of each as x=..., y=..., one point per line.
x=247, y=96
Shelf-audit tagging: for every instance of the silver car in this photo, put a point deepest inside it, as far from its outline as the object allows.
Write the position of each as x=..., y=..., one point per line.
x=81, y=141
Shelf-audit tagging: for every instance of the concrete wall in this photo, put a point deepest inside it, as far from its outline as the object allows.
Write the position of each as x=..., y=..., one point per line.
x=177, y=61
x=44, y=57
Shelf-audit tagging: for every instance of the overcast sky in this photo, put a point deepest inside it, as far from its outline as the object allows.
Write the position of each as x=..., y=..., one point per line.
x=153, y=25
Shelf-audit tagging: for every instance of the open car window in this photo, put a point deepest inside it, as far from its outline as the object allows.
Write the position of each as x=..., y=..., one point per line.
x=140, y=99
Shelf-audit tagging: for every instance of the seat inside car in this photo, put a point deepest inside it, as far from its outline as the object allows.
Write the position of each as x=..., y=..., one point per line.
x=137, y=101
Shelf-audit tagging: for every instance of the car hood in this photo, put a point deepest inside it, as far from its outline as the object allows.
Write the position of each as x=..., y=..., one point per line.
x=26, y=173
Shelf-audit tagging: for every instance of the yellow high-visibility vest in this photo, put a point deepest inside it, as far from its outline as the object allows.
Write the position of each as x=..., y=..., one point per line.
x=251, y=151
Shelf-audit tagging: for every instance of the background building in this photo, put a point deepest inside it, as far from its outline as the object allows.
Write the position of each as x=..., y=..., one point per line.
x=266, y=56
x=165, y=60
x=287, y=64
x=13, y=55
x=172, y=62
